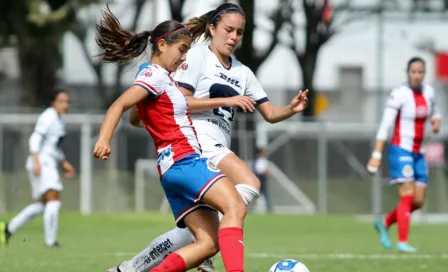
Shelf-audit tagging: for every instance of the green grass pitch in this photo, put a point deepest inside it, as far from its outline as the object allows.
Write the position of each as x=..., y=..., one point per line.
x=323, y=243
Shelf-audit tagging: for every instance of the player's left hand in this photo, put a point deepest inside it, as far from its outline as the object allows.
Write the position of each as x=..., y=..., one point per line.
x=68, y=169
x=300, y=102
x=435, y=126
x=101, y=150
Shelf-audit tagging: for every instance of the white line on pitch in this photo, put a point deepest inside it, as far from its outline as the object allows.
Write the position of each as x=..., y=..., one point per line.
x=349, y=256
x=334, y=256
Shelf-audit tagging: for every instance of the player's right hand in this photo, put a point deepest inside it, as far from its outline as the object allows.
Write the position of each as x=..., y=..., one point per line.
x=101, y=150
x=240, y=101
x=373, y=165
x=36, y=169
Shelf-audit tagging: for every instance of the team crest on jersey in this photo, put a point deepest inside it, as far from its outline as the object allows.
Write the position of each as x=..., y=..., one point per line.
x=148, y=74
x=212, y=167
x=183, y=67
x=407, y=171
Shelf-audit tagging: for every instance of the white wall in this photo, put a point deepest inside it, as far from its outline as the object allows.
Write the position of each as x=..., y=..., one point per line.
x=355, y=45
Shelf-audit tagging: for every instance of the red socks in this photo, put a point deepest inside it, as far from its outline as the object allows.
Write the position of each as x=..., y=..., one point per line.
x=232, y=248
x=391, y=218
x=172, y=263
x=232, y=252
x=404, y=217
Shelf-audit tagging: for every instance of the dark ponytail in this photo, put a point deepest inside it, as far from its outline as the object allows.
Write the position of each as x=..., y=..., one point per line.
x=200, y=25
x=120, y=45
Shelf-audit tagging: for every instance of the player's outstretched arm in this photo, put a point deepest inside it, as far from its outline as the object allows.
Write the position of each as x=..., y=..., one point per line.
x=127, y=100
x=274, y=114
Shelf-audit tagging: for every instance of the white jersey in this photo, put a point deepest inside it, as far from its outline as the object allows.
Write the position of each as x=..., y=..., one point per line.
x=408, y=111
x=48, y=135
x=203, y=74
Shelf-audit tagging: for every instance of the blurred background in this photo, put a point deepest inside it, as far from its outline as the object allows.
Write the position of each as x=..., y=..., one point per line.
x=349, y=54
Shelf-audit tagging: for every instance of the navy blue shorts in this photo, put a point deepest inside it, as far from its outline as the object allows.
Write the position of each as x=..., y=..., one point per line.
x=186, y=182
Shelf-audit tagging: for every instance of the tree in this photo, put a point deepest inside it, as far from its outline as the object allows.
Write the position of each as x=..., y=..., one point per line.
x=248, y=53
x=176, y=7
x=81, y=32
x=36, y=28
x=319, y=27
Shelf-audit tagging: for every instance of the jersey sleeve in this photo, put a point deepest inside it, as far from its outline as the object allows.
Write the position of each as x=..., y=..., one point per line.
x=394, y=100
x=254, y=90
x=44, y=122
x=189, y=72
x=435, y=112
x=152, y=80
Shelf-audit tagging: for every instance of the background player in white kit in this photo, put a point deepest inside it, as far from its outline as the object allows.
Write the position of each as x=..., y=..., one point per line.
x=215, y=83
x=407, y=110
x=42, y=166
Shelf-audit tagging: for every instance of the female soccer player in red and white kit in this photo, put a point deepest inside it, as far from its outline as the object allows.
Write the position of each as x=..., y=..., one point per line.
x=215, y=84
x=190, y=185
x=408, y=108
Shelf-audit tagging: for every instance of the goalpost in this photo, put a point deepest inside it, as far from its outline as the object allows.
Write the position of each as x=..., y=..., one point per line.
x=287, y=196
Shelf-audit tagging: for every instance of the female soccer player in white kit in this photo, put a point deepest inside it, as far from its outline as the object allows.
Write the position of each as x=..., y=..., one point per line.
x=190, y=185
x=42, y=166
x=407, y=110
x=215, y=83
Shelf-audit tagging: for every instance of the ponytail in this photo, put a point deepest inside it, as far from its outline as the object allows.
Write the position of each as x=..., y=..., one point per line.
x=199, y=25
x=119, y=45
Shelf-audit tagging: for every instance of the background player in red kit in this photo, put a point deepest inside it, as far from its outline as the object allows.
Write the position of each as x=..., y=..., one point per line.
x=407, y=110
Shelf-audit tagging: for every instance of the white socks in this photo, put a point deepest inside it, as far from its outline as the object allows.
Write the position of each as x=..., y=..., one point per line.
x=158, y=249
x=51, y=221
x=28, y=213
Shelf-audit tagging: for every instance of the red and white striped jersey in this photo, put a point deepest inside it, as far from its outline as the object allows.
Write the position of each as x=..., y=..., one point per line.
x=408, y=110
x=166, y=116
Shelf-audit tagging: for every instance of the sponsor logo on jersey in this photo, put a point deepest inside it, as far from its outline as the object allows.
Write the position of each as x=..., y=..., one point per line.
x=165, y=158
x=421, y=112
x=221, y=125
x=230, y=80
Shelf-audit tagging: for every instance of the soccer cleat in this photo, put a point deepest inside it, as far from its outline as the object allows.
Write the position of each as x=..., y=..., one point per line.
x=114, y=269
x=383, y=232
x=207, y=266
x=405, y=248
x=5, y=235
x=123, y=267
x=55, y=245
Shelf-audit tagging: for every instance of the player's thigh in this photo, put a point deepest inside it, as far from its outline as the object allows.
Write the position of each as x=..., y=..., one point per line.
x=225, y=198
x=237, y=171
x=204, y=224
x=421, y=180
x=51, y=183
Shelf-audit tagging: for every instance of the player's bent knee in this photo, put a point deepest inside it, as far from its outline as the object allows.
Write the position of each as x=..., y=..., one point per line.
x=248, y=193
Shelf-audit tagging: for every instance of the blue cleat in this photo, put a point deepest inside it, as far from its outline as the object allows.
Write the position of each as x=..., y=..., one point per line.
x=405, y=248
x=383, y=232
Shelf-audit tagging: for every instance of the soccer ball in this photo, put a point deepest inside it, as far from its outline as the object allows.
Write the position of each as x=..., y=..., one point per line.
x=289, y=265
